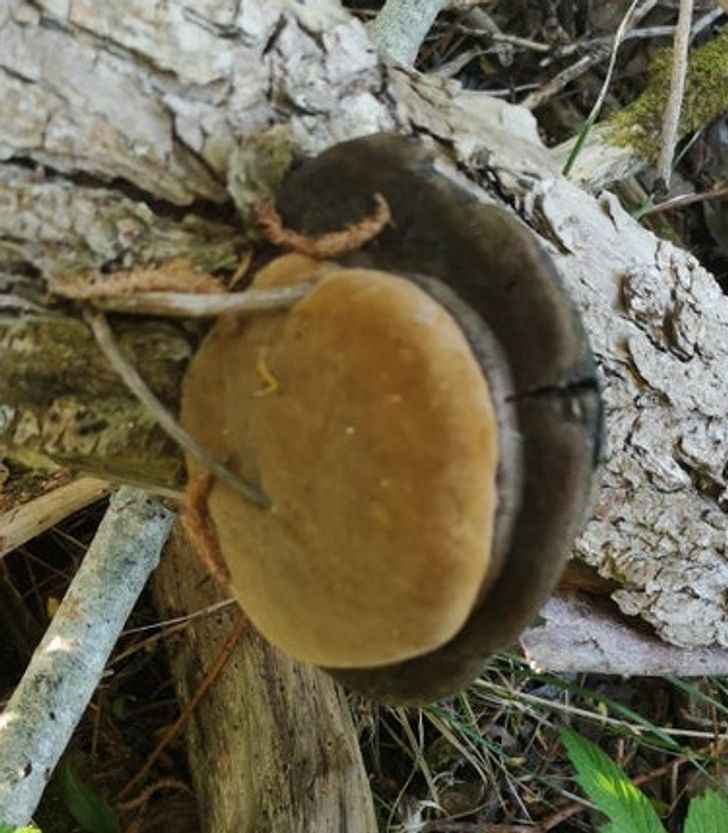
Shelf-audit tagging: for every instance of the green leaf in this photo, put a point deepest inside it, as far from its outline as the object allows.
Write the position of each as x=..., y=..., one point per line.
x=8, y=828
x=707, y=813
x=119, y=704
x=626, y=807
x=89, y=809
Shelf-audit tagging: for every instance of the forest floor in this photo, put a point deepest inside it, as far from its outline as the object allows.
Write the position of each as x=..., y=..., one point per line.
x=493, y=760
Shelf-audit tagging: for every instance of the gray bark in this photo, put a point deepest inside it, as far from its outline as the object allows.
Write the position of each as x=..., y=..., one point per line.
x=127, y=125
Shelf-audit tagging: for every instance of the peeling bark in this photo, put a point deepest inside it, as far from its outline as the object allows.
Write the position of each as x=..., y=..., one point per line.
x=579, y=635
x=131, y=130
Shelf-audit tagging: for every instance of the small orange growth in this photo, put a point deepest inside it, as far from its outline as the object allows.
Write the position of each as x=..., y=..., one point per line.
x=327, y=245
x=199, y=526
x=178, y=275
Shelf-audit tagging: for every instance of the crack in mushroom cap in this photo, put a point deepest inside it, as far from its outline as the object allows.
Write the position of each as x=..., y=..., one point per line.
x=377, y=444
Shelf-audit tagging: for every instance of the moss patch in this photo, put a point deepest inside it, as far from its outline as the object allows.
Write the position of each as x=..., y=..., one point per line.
x=706, y=98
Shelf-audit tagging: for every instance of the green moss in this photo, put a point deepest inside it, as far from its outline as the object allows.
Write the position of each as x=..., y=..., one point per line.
x=705, y=99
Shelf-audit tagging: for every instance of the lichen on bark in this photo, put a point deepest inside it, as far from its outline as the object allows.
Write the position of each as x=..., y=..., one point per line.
x=62, y=404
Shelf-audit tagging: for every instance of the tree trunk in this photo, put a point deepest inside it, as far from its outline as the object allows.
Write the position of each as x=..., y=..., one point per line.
x=127, y=129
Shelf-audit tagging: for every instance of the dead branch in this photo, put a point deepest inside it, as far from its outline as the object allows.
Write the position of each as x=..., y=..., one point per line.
x=40, y=717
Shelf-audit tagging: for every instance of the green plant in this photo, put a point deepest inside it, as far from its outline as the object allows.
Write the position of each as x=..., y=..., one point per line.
x=8, y=828
x=90, y=810
x=628, y=808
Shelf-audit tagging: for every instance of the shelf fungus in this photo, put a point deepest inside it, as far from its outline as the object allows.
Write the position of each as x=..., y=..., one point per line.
x=424, y=425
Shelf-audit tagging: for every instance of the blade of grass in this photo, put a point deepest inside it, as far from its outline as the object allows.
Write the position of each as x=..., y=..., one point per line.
x=697, y=694
x=624, y=25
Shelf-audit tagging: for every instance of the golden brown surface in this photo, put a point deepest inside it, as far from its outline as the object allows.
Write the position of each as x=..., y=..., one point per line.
x=365, y=417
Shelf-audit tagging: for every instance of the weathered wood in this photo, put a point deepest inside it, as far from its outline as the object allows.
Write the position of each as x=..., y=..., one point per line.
x=21, y=521
x=60, y=401
x=578, y=634
x=301, y=769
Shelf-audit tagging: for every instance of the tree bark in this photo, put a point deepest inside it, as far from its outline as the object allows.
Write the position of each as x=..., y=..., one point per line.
x=131, y=129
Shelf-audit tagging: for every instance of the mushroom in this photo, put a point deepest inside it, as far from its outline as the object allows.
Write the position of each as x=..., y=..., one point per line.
x=424, y=424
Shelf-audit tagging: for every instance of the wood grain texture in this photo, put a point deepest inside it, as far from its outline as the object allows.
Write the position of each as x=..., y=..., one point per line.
x=21, y=521
x=273, y=741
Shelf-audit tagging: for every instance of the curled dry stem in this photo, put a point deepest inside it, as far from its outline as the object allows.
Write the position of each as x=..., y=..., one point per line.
x=330, y=244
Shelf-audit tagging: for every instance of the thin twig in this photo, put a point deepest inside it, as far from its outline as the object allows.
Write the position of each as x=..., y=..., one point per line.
x=560, y=80
x=707, y=20
x=598, y=50
x=239, y=626
x=148, y=792
x=624, y=25
x=671, y=118
x=449, y=69
x=39, y=720
x=502, y=37
x=195, y=305
x=209, y=610
x=647, y=33
x=685, y=199
x=504, y=43
x=168, y=628
x=131, y=378
x=521, y=698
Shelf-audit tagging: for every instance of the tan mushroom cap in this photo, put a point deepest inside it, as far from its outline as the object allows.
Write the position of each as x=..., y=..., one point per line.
x=365, y=418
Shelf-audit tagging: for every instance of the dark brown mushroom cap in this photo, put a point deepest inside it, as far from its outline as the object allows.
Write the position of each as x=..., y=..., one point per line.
x=494, y=267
